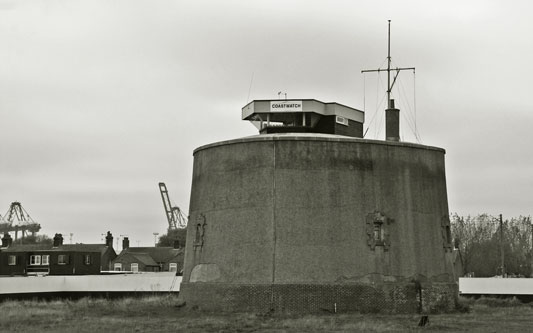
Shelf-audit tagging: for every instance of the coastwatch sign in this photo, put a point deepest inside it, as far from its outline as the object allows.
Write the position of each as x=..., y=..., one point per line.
x=285, y=106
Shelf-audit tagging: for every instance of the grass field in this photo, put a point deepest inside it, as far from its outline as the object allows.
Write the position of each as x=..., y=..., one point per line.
x=161, y=314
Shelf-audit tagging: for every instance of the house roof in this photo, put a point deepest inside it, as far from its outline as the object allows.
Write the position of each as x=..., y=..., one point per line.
x=27, y=248
x=158, y=254
x=100, y=248
x=143, y=258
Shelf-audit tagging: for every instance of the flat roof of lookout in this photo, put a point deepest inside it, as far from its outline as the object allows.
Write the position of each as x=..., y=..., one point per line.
x=280, y=106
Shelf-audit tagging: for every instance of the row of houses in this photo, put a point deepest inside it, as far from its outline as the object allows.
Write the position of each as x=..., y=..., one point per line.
x=85, y=259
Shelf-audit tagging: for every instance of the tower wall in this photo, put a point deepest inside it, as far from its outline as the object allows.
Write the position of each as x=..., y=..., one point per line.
x=303, y=222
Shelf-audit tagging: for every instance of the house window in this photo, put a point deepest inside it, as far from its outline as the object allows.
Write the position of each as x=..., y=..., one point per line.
x=62, y=259
x=35, y=260
x=134, y=267
x=118, y=266
x=45, y=260
x=87, y=259
x=12, y=260
x=172, y=267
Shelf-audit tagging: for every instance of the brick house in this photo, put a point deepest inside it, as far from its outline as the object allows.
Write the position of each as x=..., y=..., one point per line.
x=55, y=259
x=149, y=259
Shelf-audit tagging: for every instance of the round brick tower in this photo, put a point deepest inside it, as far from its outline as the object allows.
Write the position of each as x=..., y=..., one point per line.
x=306, y=222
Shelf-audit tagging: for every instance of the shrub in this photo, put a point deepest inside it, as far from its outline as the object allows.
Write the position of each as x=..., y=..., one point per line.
x=499, y=302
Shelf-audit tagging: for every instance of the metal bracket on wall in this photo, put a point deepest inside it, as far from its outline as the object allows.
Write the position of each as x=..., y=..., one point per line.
x=377, y=230
x=200, y=231
x=446, y=233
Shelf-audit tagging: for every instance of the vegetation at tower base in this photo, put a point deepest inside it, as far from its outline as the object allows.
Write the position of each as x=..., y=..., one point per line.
x=316, y=222
x=478, y=241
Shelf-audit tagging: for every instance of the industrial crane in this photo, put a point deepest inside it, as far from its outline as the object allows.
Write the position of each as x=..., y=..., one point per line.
x=175, y=217
x=16, y=213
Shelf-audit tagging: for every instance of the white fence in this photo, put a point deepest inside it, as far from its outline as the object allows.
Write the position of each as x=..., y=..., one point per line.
x=142, y=282
x=496, y=286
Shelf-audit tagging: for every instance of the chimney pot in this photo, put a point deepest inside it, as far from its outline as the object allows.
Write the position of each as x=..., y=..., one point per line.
x=125, y=243
x=58, y=240
x=7, y=240
x=109, y=239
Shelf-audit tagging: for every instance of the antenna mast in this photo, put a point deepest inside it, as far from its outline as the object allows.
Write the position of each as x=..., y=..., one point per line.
x=390, y=103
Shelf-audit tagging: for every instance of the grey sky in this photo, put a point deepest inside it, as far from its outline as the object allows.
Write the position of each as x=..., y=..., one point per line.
x=101, y=100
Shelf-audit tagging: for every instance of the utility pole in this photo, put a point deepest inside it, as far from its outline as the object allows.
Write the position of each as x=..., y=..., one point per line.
x=531, y=269
x=501, y=246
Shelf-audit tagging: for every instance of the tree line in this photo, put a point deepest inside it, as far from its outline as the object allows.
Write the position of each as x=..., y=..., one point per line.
x=480, y=241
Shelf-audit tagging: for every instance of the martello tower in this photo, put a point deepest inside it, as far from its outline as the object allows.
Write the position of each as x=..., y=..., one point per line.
x=308, y=216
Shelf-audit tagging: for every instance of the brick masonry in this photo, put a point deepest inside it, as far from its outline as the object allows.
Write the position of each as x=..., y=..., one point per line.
x=316, y=298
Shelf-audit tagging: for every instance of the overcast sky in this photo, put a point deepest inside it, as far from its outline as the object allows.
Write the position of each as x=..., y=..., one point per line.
x=101, y=100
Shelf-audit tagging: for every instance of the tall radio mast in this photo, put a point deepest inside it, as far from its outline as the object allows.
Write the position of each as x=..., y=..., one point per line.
x=390, y=85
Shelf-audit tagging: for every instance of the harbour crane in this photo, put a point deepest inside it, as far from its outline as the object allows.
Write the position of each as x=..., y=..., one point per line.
x=175, y=217
x=23, y=222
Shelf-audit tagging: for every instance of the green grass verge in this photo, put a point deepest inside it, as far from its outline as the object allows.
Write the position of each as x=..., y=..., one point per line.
x=163, y=314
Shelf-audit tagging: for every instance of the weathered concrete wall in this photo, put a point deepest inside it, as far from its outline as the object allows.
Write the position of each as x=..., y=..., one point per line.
x=285, y=209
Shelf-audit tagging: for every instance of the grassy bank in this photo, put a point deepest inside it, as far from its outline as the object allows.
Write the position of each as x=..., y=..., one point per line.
x=162, y=314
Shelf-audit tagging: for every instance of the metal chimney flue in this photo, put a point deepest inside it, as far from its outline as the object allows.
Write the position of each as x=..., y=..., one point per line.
x=392, y=123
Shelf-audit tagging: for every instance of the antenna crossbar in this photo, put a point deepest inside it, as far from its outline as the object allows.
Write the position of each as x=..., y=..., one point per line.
x=385, y=69
x=389, y=70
